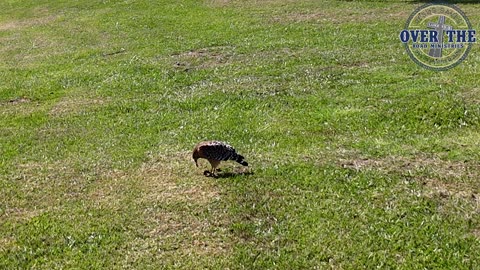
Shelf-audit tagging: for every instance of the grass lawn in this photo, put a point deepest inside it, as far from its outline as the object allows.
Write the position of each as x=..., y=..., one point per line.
x=360, y=159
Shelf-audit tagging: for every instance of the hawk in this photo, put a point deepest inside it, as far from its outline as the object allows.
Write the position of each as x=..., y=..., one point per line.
x=215, y=152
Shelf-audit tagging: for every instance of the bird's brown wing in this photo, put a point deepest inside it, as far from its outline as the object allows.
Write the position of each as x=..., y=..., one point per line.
x=217, y=151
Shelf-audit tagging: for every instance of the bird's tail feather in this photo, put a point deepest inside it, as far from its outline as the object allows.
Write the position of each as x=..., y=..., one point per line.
x=241, y=161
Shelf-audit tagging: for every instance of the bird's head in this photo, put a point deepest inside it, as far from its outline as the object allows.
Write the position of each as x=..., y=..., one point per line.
x=195, y=157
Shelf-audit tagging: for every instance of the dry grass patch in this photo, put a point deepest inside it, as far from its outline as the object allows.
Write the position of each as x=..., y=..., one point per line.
x=444, y=189
x=31, y=22
x=49, y=185
x=181, y=210
x=434, y=165
x=252, y=3
x=471, y=95
x=19, y=107
x=76, y=104
x=19, y=100
x=49, y=182
x=6, y=242
x=203, y=58
x=349, y=16
x=173, y=178
x=109, y=190
x=440, y=177
x=18, y=214
x=37, y=188
x=476, y=233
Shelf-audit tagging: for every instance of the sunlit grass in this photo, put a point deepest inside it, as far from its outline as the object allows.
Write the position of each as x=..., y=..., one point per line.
x=359, y=158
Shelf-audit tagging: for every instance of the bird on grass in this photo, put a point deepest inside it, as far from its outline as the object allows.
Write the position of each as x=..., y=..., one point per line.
x=215, y=152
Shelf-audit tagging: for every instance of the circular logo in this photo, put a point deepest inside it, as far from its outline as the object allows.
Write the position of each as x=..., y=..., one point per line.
x=438, y=36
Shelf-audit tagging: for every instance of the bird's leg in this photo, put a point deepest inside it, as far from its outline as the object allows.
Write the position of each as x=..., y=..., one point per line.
x=214, y=164
x=214, y=170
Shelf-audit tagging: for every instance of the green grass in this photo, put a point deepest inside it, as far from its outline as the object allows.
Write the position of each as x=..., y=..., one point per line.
x=360, y=158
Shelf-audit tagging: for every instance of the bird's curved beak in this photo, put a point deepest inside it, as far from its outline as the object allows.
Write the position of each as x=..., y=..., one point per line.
x=196, y=163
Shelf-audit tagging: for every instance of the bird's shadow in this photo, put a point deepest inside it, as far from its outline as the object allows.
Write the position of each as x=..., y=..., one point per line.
x=227, y=174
